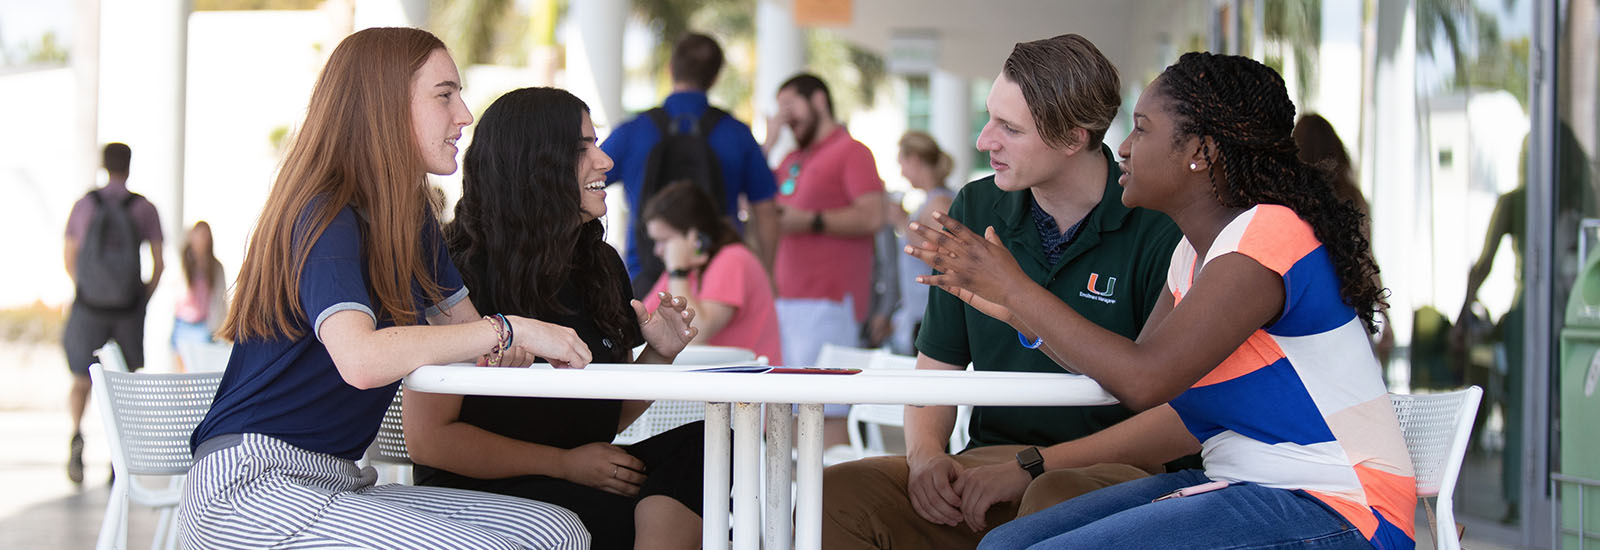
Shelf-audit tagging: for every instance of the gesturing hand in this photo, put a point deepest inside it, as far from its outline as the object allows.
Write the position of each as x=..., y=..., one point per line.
x=669, y=328
x=605, y=467
x=558, y=344
x=977, y=270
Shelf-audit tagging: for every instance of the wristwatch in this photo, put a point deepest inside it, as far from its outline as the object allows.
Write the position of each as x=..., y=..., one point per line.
x=816, y=223
x=1031, y=461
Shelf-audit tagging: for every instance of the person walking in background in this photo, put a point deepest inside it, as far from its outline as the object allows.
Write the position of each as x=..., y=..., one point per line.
x=104, y=233
x=687, y=138
x=204, y=305
x=345, y=265
x=707, y=265
x=529, y=239
x=926, y=167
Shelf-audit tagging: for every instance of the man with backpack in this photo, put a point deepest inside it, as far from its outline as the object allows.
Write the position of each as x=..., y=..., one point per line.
x=688, y=139
x=104, y=233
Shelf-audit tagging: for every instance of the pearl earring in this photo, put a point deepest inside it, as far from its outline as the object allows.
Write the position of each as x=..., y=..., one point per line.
x=1193, y=166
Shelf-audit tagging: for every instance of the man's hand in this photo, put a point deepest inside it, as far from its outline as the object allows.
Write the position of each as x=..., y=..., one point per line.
x=930, y=489
x=984, y=486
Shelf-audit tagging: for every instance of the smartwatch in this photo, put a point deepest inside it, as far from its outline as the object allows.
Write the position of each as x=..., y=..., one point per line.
x=816, y=223
x=1031, y=461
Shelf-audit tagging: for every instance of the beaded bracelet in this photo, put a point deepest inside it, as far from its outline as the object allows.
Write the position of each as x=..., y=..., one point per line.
x=502, y=335
x=1030, y=345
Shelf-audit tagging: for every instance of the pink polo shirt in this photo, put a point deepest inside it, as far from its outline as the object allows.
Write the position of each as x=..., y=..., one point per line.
x=736, y=278
x=833, y=172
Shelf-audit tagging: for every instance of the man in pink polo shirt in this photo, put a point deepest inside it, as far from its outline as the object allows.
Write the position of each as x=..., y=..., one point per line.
x=831, y=203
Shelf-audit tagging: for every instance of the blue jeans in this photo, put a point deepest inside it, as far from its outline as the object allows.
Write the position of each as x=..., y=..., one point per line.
x=1123, y=516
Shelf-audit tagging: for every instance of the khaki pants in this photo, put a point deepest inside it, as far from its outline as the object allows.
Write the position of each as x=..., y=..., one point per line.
x=865, y=504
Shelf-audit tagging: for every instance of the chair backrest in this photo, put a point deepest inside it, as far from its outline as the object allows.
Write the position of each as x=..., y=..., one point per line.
x=833, y=355
x=713, y=355
x=111, y=357
x=204, y=357
x=390, y=444
x=1437, y=428
x=149, y=417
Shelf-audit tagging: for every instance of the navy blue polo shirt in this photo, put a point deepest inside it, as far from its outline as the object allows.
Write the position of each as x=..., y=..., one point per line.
x=288, y=388
x=744, y=165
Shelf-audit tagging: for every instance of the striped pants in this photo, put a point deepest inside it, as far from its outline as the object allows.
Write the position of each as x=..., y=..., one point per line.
x=264, y=493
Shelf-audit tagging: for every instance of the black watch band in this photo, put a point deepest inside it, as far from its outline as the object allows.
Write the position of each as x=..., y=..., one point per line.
x=678, y=273
x=816, y=223
x=1031, y=461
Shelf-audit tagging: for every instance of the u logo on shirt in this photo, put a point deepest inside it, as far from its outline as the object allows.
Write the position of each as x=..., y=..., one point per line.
x=1094, y=292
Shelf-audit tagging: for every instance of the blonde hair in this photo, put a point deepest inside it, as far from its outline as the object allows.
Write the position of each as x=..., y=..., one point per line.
x=921, y=146
x=355, y=149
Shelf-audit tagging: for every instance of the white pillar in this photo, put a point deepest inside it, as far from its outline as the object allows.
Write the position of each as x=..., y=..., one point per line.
x=390, y=13
x=1390, y=160
x=85, y=160
x=594, y=57
x=781, y=52
x=1338, y=66
x=951, y=121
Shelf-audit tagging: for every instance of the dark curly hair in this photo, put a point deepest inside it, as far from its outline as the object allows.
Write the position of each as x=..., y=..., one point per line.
x=1244, y=108
x=516, y=236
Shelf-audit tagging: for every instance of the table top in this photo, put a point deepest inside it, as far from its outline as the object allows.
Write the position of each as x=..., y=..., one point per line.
x=692, y=383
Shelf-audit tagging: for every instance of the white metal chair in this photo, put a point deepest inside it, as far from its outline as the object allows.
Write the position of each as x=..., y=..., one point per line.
x=664, y=415
x=203, y=357
x=111, y=357
x=869, y=442
x=1437, y=428
x=389, y=447
x=148, y=420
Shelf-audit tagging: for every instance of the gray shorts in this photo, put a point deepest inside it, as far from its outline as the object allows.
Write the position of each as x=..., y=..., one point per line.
x=87, y=330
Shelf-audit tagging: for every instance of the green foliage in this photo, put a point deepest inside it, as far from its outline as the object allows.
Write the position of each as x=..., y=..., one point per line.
x=483, y=31
x=1297, y=26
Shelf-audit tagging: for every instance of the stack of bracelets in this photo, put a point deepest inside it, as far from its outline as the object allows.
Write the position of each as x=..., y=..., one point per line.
x=503, y=331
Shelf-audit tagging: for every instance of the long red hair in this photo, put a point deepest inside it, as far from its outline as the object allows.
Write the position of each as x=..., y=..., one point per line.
x=355, y=149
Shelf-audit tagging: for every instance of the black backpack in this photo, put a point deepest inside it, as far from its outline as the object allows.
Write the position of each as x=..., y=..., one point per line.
x=108, y=273
x=680, y=155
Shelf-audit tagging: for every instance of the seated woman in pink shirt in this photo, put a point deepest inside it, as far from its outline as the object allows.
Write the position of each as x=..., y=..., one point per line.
x=706, y=263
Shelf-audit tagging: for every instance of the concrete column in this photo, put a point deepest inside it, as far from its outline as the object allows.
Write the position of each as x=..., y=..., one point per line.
x=85, y=160
x=781, y=52
x=1391, y=163
x=391, y=13
x=950, y=121
x=1339, y=65
x=594, y=57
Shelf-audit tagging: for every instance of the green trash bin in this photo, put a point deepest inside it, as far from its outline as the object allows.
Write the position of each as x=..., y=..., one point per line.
x=1580, y=411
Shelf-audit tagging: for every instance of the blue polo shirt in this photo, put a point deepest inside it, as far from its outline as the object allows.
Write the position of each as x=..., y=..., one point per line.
x=744, y=166
x=288, y=388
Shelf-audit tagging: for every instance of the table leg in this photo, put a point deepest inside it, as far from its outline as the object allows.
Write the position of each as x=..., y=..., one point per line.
x=714, y=524
x=808, y=477
x=747, y=476
x=780, y=466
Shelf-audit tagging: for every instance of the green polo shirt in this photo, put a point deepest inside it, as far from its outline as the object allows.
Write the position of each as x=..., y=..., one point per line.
x=1112, y=274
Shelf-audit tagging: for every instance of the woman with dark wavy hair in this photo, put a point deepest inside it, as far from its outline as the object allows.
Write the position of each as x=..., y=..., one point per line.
x=529, y=239
x=1256, y=357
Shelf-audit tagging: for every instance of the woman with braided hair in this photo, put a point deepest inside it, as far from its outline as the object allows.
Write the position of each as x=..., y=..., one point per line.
x=1256, y=356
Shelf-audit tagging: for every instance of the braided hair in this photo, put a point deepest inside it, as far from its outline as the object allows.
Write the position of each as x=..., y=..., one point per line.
x=1244, y=108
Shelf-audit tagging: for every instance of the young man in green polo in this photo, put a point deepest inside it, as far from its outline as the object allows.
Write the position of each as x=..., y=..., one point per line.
x=1055, y=202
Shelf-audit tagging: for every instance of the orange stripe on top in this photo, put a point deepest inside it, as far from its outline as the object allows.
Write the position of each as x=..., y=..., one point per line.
x=1394, y=496
x=1359, y=516
x=1259, y=350
x=1278, y=248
